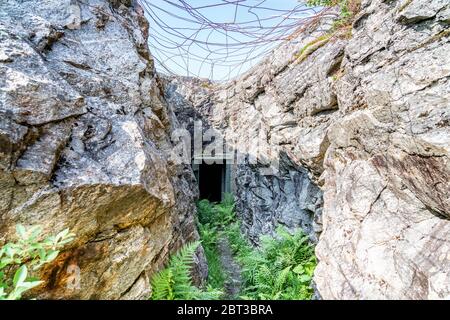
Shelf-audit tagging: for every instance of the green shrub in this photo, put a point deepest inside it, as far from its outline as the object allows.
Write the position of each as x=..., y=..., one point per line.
x=320, y=3
x=17, y=258
x=347, y=8
x=341, y=27
x=281, y=268
x=205, y=211
x=213, y=219
x=238, y=242
x=218, y=215
x=209, y=237
x=175, y=281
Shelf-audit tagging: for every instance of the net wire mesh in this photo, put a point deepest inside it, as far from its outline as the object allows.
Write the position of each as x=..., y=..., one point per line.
x=220, y=39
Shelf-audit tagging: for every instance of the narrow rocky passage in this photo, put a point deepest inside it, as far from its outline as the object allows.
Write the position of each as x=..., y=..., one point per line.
x=231, y=268
x=353, y=114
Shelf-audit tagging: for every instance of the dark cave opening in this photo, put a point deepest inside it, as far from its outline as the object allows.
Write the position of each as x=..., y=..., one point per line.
x=212, y=181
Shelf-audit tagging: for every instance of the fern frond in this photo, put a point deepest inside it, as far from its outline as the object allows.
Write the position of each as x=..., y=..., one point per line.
x=281, y=278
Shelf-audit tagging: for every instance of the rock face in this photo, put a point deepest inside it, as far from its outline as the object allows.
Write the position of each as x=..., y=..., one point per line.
x=387, y=191
x=85, y=144
x=366, y=118
x=263, y=200
x=354, y=129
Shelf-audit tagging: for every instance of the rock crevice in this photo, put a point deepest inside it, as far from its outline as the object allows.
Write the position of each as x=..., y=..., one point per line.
x=357, y=125
x=85, y=145
x=361, y=126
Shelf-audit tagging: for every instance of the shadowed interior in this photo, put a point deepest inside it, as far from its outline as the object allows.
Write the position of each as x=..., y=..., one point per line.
x=210, y=181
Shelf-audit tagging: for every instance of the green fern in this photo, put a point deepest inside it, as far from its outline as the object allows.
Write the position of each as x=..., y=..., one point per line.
x=162, y=285
x=175, y=282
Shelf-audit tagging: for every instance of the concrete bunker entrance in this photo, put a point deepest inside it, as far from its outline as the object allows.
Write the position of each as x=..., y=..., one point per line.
x=213, y=179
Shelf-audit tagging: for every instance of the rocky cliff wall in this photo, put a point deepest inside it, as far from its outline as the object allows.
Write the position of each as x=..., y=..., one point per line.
x=263, y=201
x=84, y=144
x=356, y=123
x=364, y=115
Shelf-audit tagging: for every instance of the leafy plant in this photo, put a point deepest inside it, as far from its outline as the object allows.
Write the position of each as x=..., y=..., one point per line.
x=17, y=258
x=175, y=281
x=238, y=243
x=218, y=215
x=347, y=11
x=341, y=28
x=320, y=3
x=209, y=236
x=281, y=268
x=213, y=218
x=347, y=8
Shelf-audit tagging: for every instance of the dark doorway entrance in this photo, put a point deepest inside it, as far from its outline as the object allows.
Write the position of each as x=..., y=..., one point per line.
x=210, y=178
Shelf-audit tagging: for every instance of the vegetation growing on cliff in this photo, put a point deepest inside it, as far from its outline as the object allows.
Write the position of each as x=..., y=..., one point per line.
x=342, y=27
x=18, y=260
x=281, y=268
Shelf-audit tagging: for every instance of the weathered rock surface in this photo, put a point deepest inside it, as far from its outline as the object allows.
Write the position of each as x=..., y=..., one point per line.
x=359, y=129
x=85, y=144
x=366, y=118
x=387, y=190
